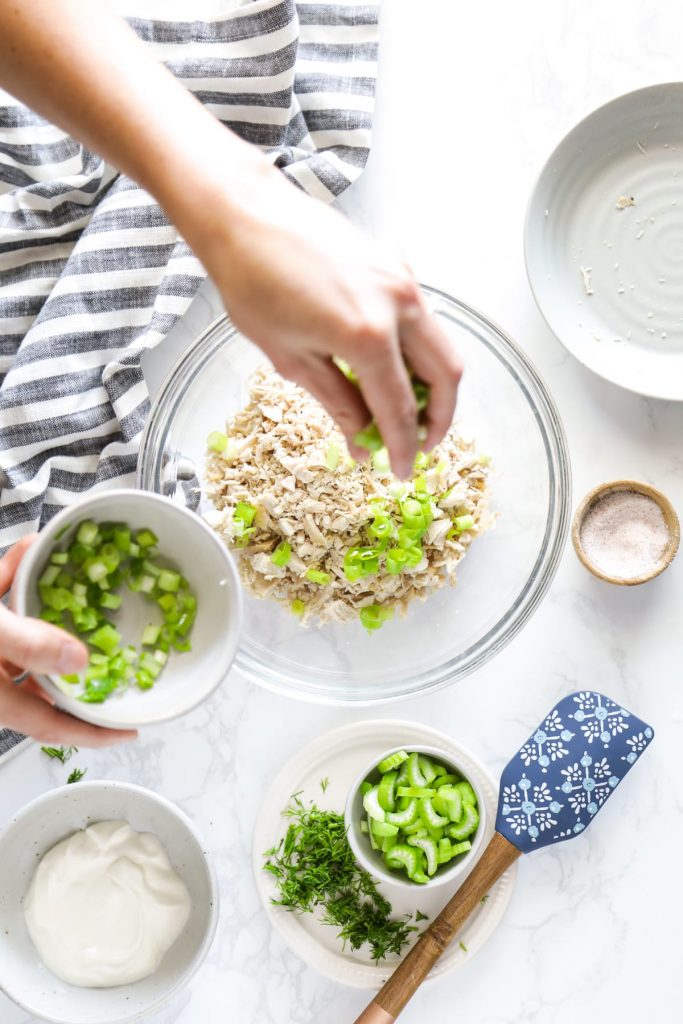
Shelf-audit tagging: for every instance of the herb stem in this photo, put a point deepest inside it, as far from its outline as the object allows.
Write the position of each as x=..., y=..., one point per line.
x=314, y=866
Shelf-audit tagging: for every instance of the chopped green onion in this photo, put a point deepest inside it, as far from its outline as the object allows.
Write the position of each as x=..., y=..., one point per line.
x=144, y=679
x=414, y=556
x=106, y=638
x=95, y=570
x=150, y=635
x=396, y=559
x=88, y=533
x=369, y=438
x=59, y=558
x=111, y=601
x=421, y=461
x=86, y=619
x=297, y=606
x=244, y=513
x=50, y=615
x=217, y=441
x=122, y=539
x=146, y=539
x=49, y=576
x=147, y=584
x=332, y=456
x=169, y=581
x=317, y=576
x=282, y=553
x=462, y=523
x=380, y=461
x=381, y=526
x=111, y=556
x=346, y=370
x=373, y=616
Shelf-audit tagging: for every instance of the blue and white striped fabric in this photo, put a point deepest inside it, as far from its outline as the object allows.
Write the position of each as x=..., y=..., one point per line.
x=92, y=273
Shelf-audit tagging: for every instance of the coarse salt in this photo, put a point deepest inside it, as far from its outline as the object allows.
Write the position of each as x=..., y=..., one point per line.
x=624, y=535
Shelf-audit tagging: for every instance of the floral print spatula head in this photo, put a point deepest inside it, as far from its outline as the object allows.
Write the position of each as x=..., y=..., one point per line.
x=550, y=791
x=555, y=785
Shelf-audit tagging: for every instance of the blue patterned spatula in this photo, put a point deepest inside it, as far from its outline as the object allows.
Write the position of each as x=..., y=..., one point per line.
x=550, y=791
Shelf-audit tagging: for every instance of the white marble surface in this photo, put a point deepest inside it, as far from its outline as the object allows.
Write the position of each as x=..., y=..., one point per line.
x=472, y=99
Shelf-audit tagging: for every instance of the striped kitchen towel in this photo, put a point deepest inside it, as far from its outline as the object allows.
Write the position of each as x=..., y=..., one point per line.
x=92, y=273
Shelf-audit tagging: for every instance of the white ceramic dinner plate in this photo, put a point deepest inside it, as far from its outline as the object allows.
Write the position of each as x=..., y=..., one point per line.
x=630, y=329
x=339, y=756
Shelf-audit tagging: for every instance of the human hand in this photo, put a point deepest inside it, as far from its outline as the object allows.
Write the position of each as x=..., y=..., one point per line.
x=305, y=285
x=35, y=646
x=296, y=277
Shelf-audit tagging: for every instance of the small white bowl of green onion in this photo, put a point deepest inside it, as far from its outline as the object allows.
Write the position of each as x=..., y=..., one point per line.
x=414, y=818
x=150, y=590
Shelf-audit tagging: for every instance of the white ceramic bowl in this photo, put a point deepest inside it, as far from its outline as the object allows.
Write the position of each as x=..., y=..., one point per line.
x=625, y=320
x=503, y=404
x=194, y=548
x=373, y=860
x=35, y=830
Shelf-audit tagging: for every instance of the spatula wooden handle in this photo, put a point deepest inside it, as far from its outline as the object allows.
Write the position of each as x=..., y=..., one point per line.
x=411, y=972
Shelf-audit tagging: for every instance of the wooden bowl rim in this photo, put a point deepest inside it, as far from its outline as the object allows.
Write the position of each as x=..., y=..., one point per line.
x=638, y=487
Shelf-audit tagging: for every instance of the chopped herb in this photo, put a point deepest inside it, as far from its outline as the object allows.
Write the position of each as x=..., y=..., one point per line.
x=419, y=916
x=61, y=753
x=324, y=783
x=484, y=898
x=463, y=947
x=76, y=775
x=314, y=866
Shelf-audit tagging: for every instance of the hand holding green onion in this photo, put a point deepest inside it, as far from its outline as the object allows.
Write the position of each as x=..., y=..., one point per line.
x=32, y=645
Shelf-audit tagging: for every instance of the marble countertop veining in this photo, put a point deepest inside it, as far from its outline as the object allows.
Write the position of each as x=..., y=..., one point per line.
x=472, y=99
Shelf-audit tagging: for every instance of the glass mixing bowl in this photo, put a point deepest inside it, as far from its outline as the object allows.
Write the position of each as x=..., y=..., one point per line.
x=504, y=404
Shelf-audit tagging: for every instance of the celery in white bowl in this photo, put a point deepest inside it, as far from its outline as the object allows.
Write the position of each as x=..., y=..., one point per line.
x=183, y=564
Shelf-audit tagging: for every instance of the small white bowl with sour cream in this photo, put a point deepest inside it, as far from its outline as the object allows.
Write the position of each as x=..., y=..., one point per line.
x=53, y=818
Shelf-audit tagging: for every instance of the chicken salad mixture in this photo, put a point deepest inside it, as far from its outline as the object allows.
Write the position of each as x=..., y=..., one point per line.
x=332, y=539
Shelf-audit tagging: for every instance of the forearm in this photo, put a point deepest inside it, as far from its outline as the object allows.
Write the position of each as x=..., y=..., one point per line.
x=83, y=68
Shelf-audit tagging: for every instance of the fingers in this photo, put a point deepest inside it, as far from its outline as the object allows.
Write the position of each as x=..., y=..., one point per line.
x=433, y=359
x=9, y=563
x=342, y=399
x=388, y=394
x=38, y=646
x=26, y=712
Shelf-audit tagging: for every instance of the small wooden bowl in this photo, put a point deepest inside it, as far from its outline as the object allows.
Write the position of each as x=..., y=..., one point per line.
x=668, y=511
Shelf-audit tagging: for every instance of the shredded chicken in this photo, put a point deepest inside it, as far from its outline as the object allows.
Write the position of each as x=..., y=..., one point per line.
x=277, y=463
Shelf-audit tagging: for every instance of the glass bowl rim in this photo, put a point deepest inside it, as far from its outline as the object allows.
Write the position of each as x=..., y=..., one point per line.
x=500, y=345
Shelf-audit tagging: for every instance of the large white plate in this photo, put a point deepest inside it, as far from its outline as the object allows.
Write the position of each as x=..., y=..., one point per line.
x=339, y=756
x=630, y=330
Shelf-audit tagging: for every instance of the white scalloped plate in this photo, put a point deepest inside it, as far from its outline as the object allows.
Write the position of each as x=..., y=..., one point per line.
x=339, y=756
x=630, y=330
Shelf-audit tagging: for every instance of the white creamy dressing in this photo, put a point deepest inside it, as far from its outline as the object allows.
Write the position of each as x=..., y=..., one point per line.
x=105, y=905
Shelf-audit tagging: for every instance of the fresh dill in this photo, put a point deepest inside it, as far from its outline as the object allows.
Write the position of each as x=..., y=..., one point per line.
x=419, y=916
x=314, y=866
x=324, y=783
x=60, y=753
x=76, y=775
x=463, y=947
